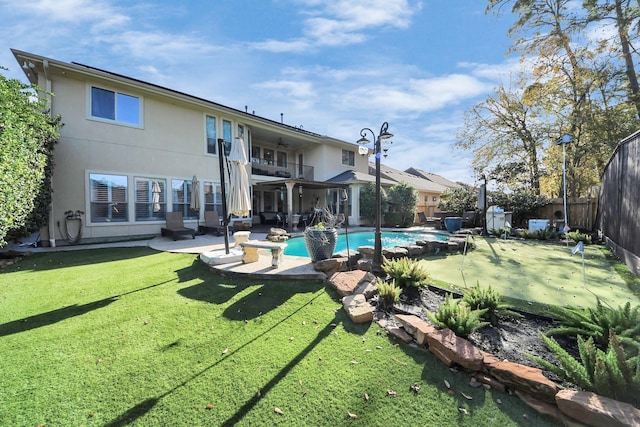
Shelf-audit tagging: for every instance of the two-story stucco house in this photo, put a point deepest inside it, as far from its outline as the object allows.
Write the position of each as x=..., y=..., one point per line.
x=129, y=149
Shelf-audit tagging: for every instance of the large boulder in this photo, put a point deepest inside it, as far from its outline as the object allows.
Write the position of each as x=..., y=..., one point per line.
x=530, y=380
x=358, y=309
x=594, y=410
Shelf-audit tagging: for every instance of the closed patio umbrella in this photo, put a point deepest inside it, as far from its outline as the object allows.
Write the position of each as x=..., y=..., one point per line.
x=239, y=198
x=195, y=198
x=155, y=198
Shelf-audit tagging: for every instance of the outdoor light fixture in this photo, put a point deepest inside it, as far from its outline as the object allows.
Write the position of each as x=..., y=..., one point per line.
x=376, y=266
x=483, y=199
x=564, y=140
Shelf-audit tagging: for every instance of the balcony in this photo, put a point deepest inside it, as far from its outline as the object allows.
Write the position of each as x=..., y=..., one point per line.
x=285, y=170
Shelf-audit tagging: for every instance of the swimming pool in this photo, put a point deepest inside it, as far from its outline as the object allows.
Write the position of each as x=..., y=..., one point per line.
x=296, y=246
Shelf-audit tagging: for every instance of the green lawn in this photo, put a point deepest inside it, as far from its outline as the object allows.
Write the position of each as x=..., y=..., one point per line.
x=131, y=336
x=540, y=273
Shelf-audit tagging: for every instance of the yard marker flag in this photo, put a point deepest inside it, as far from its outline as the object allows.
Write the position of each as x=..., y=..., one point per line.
x=579, y=248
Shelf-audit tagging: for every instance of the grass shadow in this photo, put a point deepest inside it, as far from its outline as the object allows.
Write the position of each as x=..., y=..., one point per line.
x=133, y=413
x=216, y=289
x=52, y=317
x=267, y=297
x=251, y=403
x=54, y=260
x=60, y=314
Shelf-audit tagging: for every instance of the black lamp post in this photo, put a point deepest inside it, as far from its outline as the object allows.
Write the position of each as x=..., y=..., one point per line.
x=564, y=140
x=225, y=215
x=376, y=266
x=485, y=233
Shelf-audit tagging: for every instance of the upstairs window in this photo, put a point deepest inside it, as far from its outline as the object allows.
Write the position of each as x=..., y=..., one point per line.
x=115, y=106
x=348, y=158
x=212, y=139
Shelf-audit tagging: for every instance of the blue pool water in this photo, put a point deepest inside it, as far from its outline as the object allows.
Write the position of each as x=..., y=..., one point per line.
x=296, y=247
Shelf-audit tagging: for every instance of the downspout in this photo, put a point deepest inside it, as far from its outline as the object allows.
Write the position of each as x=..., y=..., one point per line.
x=47, y=95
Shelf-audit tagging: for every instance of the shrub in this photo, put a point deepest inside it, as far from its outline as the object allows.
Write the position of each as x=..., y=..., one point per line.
x=458, y=316
x=577, y=236
x=406, y=272
x=388, y=293
x=539, y=234
x=502, y=232
x=599, y=323
x=487, y=298
x=610, y=374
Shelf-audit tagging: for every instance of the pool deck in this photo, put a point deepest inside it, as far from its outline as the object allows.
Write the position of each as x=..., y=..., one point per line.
x=292, y=267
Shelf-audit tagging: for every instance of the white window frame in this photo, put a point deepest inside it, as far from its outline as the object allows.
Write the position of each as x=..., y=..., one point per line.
x=111, y=205
x=90, y=115
x=351, y=157
x=159, y=208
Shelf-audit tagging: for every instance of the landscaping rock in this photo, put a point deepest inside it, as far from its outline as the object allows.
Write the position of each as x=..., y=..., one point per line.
x=366, y=251
x=594, y=410
x=417, y=327
x=544, y=408
x=330, y=265
x=278, y=235
x=363, y=264
x=400, y=334
x=367, y=286
x=491, y=382
x=358, y=309
x=525, y=378
x=450, y=348
x=454, y=246
x=395, y=252
x=414, y=250
x=345, y=282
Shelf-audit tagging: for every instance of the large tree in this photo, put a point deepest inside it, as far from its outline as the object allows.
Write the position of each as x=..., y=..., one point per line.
x=503, y=131
x=570, y=87
x=27, y=137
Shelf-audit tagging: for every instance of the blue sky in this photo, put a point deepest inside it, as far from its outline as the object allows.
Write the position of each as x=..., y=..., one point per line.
x=332, y=67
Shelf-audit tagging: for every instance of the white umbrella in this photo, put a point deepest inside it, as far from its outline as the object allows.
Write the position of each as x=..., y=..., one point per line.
x=195, y=199
x=195, y=194
x=155, y=198
x=239, y=199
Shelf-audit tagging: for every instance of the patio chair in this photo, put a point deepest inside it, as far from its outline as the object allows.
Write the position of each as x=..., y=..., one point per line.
x=340, y=219
x=469, y=219
x=211, y=223
x=281, y=220
x=422, y=218
x=175, y=226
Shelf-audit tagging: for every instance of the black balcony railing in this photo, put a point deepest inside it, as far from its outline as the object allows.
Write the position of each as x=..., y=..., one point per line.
x=267, y=167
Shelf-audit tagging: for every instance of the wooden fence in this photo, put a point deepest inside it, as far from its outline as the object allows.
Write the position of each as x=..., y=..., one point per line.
x=619, y=213
x=581, y=213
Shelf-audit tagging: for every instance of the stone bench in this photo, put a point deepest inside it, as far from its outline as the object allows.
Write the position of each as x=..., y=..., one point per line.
x=250, y=251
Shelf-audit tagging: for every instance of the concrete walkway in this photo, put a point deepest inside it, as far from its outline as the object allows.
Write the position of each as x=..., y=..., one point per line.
x=292, y=267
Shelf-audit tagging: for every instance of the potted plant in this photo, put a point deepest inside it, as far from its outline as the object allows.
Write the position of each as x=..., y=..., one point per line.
x=321, y=237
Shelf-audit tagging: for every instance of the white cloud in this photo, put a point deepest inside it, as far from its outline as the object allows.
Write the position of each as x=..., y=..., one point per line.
x=100, y=13
x=278, y=46
x=343, y=22
x=158, y=46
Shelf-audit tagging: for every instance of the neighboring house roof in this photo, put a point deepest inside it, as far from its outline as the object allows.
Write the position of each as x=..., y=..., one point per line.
x=433, y=177
x=420, y=184
x=351, y=176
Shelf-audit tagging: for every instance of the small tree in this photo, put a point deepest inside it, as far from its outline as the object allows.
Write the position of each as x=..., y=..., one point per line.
x=368, y=202
x=459, y=199
x=402, y=201
x=27, y=137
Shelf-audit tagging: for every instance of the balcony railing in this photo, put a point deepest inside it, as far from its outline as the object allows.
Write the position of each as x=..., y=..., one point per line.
x=267, y=167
